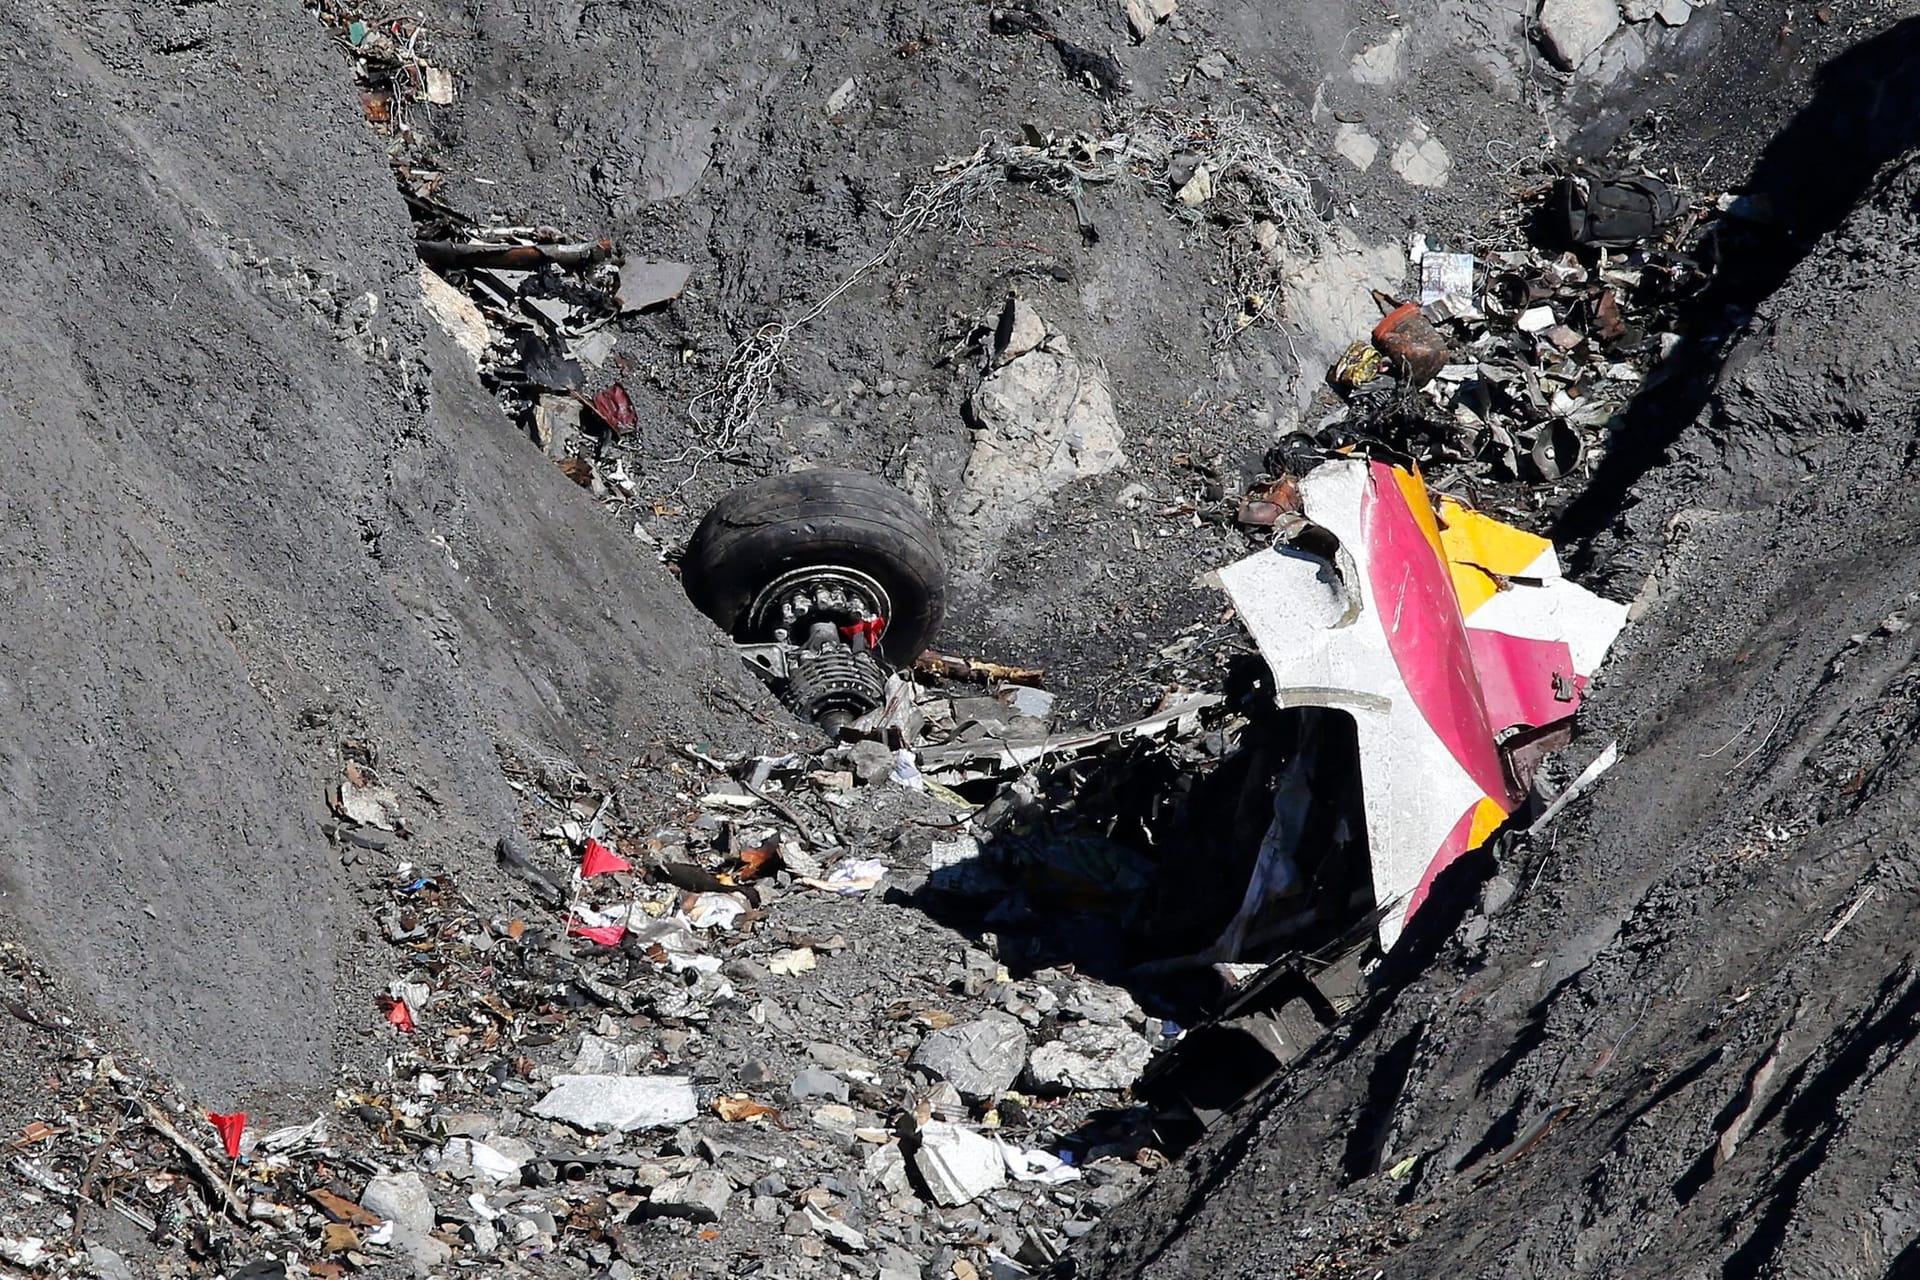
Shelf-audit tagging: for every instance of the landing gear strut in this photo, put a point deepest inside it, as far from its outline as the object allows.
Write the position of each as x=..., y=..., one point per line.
x=825, y=579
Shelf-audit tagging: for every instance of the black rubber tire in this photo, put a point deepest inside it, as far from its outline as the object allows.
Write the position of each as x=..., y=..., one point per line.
x=765, y=529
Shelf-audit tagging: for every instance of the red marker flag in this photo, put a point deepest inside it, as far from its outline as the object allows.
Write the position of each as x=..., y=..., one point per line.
x=867, y=630
x=600, y=860
x=607, y=935
x=230, y=1127
x=397, y=1012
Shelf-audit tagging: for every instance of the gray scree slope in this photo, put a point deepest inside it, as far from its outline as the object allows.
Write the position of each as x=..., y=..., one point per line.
x=252, y=507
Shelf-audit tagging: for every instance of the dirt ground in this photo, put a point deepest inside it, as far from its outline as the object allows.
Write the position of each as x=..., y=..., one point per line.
x=262, y=520
x=250, y=515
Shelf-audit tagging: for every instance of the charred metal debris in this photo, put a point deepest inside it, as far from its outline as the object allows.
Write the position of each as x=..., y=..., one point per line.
x=537, y=309
x=1507, y=374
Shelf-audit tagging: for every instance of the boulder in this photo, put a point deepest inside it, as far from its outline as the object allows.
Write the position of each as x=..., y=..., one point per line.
x=1089, y=1056
x=1573, y=30
x=957, y=1164
x=981, y=1059
x=618, y=1104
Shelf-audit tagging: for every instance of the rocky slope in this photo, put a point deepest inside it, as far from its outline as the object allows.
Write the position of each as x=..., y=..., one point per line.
x=273, y=552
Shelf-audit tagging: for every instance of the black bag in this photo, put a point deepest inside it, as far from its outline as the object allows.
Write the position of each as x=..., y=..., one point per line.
x=1616, y=212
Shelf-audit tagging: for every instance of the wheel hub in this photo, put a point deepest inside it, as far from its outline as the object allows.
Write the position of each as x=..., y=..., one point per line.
x=787, y=609
x=831, y=619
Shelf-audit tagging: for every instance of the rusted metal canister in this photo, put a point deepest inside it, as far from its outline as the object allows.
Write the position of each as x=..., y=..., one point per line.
x=1413, y=346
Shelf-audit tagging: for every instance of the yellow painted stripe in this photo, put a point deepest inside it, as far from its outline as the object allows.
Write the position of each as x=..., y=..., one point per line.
x=1487, y=817
x=1415, y=488
x=1468, y=539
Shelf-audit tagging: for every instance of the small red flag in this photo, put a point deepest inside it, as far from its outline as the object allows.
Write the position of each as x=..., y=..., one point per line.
x=230, y=1127
x=397, y=1012
x=600, y=860
x=868, y=630
x=607, y=935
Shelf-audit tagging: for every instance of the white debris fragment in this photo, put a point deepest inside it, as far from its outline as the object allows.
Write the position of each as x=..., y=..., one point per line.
x=1536, y=320
x=619, y=1104
x=793, y=962
x=1090, y=1056
x=849, y=876
x=23, y=1251
x=1036, y=1166
x=958, y=1164
x=369, y=804
x=714, y=910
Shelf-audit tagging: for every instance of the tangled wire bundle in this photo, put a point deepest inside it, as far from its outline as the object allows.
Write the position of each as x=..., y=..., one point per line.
x=1264, y=205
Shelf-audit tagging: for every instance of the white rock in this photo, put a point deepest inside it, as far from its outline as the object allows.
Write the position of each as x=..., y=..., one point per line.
x=958, y=1164
x=1638, y=10
x=1422, y=160
x=1379, y=64
x=1675, y=12
x=1329, y=297
x=1103, y=1005
x=839, y=1058
x=1088, y=1056
x=108, y=1265
x=402, y=1200
x=1574, y=30
x=886, y=1169
x=956, y=866
x=837, y=100
x=1356, y=146
x=1041, y=422
x=981, y=1059
x=617, y=1104
x=456, y=313
x=1162, y=9
x=698, y=1197
x=1198, y=189
x=1020, y=330
x=599, y=1056
x=1140, y=20
x=1267, y=235
x=837, y=1119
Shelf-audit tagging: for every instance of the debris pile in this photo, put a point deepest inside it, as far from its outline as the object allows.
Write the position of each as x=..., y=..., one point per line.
x=655, y=1042
x=658, y=1044
x=538, y=311
x=1514, y=362
x=652, y=1044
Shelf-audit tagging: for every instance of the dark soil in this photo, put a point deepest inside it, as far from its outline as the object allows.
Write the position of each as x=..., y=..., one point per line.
x=253, y=511
x=261, y=518
x=1685, y=1049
